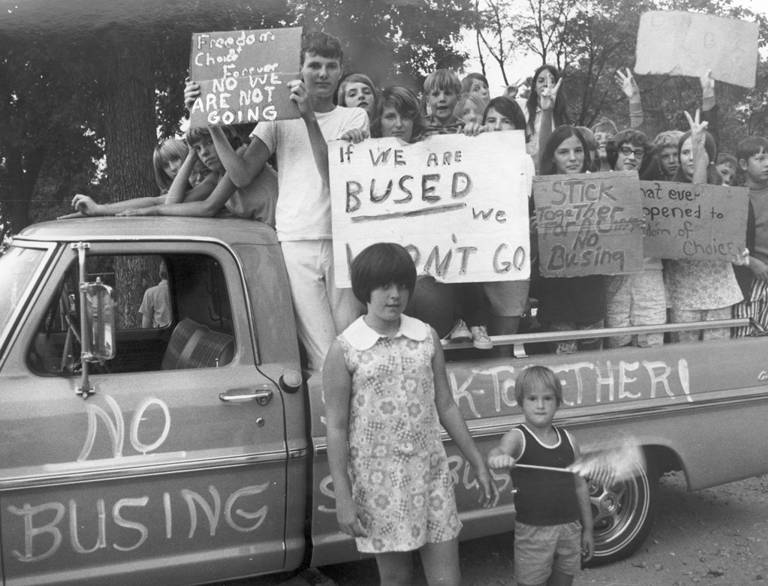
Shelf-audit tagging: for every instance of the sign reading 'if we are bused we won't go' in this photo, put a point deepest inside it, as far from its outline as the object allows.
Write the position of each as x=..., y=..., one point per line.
x=459, y=204
x=243, y=75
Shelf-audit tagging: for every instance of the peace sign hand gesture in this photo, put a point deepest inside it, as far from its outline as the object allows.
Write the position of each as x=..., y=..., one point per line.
x=698, y=129
x=548, y=95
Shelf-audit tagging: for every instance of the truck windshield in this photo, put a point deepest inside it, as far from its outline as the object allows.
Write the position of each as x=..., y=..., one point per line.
x=17, y=266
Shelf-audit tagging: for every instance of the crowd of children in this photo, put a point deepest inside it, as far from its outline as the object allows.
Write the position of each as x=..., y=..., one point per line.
x=386, y=489
x=222, y=169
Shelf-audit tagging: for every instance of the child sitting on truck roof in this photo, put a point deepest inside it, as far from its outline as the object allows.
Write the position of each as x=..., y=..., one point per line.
x=553, y=524
x=167, y=159
x=255, y=201
x=386, y=396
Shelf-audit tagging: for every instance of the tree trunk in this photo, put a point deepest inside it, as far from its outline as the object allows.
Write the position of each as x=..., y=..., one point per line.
x=130, y=137
x=23, y=170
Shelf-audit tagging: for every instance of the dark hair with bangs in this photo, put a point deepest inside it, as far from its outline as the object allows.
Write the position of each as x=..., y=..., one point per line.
x=713, y=175
x=405, y=103
x=537, y=374
x=509, y=109
x=560, y=134
x=750, y=146
x=560, y=113
x=379, y=265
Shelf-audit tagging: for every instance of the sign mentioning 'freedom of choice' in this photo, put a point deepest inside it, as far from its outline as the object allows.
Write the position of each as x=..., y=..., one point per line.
x=459, y=204
x=693, y=221
x=684, y=43
x=243, y=75
x=589, y=224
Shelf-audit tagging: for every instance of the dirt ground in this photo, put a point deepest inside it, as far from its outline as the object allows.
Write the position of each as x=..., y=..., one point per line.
x=717, y=536
x=714, y=536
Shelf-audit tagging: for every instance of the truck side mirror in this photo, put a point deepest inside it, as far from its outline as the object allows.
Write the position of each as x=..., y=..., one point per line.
x=99, y=321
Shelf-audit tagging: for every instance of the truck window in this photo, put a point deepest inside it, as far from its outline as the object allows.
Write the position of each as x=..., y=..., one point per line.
x=17, y=266
x=173, y=312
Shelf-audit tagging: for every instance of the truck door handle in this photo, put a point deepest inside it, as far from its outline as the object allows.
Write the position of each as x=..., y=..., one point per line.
x=261, y=394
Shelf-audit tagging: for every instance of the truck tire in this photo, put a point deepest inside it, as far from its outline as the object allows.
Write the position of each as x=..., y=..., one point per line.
x=623, y=514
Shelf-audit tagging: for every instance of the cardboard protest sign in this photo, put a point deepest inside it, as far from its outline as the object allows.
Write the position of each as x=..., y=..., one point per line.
x=589, y=224
x=459, y=204
x=684, y=43
x=694, y=221
x=243, y=75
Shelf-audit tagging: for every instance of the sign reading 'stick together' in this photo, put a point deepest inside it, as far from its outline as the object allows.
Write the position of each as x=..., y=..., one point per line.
x=589, y=224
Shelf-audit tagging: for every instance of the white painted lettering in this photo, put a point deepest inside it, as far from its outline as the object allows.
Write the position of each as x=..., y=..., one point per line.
x=122, y=522
x=258, y=515
x=212, y=513
x=101, y=539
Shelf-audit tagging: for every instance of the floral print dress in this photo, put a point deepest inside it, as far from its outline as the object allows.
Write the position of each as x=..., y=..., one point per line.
x=398, y=466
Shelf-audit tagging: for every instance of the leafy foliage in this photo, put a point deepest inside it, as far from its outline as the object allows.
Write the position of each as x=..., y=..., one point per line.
x=84, y=93
x=591, y=40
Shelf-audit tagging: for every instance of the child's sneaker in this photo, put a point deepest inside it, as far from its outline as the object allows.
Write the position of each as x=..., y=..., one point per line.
x=480, y=338
x=460, y=332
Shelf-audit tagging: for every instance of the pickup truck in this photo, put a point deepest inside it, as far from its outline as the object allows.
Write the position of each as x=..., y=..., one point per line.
x=196, y=452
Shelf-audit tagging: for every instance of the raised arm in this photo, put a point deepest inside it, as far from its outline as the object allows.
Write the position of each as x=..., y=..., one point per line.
x=710, y=111
x=698, y=139
x=630, y=88
x=179, y=190
x=547, y=98
x=300, y=97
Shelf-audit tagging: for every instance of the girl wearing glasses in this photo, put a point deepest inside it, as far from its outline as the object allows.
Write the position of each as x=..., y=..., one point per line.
x=636, y=299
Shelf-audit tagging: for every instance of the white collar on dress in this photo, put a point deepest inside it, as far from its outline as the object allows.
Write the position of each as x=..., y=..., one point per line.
x=361, y=336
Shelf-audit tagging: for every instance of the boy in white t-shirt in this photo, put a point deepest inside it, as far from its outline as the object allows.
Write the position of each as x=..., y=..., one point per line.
x=303, y=212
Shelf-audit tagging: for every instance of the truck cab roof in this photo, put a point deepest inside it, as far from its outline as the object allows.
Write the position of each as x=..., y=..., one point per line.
x=150, y=227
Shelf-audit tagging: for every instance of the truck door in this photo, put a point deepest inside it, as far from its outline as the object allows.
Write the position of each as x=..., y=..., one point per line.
x=173, y=469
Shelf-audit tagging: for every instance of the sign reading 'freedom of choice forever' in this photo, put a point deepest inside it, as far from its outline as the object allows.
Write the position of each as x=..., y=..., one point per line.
x=459, y=204
x=243, y=75
x=684, y=43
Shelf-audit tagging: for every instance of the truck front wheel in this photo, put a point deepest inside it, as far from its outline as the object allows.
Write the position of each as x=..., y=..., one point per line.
x=623, y=514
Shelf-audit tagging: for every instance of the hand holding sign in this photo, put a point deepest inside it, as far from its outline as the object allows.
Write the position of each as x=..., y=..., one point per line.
x=707, y=85
x=300, y=97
